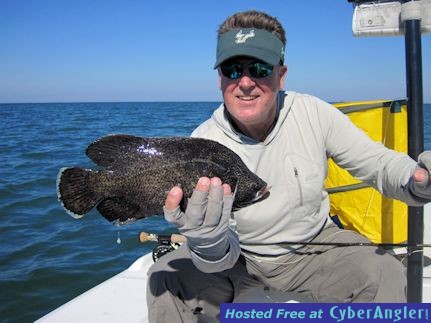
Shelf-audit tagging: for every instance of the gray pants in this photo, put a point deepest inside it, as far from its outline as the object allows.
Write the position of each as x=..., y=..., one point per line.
x=178, y=292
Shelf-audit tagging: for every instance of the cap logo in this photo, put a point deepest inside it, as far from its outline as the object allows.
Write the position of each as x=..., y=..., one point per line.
x=242, y=38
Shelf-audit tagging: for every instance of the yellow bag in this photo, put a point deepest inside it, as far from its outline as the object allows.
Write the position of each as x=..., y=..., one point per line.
x=360, y=207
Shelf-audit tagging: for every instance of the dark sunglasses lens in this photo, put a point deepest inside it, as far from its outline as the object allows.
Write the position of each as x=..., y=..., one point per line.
x=233, y=71
x=256, y=70
x=260, y=70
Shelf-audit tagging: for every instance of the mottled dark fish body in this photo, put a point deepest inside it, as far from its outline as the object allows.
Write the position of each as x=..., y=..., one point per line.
x=139, y=171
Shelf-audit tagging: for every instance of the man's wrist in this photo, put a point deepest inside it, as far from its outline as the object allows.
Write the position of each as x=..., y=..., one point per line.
x=209, y=250
x=420, y=194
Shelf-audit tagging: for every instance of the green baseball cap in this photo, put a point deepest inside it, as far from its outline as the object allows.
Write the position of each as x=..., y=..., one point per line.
x=252, y=42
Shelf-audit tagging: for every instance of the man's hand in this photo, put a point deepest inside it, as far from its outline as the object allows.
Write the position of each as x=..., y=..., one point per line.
x=206, y=219
x=420, y=182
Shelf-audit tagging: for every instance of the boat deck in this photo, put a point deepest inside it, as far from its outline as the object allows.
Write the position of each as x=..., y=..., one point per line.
x=122, y=298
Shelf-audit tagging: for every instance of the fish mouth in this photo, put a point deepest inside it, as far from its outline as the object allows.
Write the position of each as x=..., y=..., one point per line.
x=262, y=194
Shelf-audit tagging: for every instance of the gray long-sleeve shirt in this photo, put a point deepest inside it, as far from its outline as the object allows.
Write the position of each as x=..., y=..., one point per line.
x=293, y=161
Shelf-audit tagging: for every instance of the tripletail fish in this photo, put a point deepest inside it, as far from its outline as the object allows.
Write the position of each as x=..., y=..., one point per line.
x=137, y=172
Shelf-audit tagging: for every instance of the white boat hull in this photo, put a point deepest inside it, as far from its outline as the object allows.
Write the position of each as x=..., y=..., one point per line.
x=122, y=298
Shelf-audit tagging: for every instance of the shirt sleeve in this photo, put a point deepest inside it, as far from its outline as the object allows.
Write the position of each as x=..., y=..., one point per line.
x=371, y=162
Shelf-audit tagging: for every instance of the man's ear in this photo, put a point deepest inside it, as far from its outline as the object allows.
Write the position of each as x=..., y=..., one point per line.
x=219, y=78
x=283, y=73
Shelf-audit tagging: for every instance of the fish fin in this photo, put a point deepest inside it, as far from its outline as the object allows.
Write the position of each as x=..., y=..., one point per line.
x=109, y=149
x=74, y=192
x=118, y=209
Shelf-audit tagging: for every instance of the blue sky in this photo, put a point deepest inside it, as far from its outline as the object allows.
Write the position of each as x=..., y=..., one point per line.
x=103, y=50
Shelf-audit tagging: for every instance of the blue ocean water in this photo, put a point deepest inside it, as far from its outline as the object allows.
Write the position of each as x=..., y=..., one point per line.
x=47, y=257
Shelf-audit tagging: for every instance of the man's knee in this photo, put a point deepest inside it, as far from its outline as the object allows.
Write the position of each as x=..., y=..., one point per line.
x=384, y=278
x=165, y=274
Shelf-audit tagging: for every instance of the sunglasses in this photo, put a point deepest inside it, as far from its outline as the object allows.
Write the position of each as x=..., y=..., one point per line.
x=256, y=70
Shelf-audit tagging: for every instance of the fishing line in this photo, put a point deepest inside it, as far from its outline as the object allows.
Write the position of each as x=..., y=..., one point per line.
x=349, y=244
x=156, y=237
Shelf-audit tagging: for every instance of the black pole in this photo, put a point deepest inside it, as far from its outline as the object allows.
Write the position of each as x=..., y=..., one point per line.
x=412, y=30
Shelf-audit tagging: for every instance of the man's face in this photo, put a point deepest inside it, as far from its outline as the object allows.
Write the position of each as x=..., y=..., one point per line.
x=249, y=100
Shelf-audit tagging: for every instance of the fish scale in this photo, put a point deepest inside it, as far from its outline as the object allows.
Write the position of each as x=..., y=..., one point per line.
x=137, y=172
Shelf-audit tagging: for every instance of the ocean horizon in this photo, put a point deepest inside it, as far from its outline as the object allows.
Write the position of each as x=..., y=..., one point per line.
x=123, y=102
x=46, y=257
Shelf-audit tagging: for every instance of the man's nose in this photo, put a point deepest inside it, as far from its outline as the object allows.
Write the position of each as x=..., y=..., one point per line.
x=246, y=81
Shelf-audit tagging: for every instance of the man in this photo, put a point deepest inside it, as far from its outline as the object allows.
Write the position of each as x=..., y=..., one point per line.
x=286, y=139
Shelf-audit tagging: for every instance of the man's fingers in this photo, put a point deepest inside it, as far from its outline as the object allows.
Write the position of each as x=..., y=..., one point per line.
x=203, y=184
x=197, y=205
x=175, y=195
x=174, y=198
x=421, y=177
x=226, y=189
x=215, y=203
x=216, y=190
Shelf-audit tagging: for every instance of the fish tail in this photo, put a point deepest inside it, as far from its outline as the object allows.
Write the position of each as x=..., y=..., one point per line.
x=74, y=191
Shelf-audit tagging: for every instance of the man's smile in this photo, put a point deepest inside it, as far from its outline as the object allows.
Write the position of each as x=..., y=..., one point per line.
x=248, y=97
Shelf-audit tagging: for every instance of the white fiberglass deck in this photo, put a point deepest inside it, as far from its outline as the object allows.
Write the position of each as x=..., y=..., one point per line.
x=122, y=298
x=119, y=299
